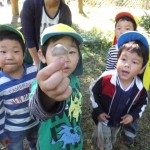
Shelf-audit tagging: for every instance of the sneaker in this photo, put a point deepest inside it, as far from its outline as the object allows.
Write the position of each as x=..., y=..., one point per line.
x=129, y=141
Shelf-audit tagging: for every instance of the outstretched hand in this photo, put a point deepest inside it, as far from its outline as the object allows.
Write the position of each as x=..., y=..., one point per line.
x=52, y=81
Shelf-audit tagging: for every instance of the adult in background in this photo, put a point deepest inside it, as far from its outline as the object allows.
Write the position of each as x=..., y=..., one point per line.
x=36, y=15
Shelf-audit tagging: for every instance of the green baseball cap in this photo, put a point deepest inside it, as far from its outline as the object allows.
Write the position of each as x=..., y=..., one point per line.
x=12, y=29
x=59, y=29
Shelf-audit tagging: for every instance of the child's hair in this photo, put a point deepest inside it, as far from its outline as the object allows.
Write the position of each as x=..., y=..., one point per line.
x=12, y=36
x=136, y=47
x=53, y=39
x=126, y=18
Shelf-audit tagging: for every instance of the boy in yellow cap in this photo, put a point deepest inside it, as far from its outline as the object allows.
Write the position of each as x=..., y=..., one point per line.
x=56, y=99
x=125, y=21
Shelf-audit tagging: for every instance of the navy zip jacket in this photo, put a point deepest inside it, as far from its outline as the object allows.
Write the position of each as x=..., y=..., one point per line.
x=31, y=16
x=103, y=91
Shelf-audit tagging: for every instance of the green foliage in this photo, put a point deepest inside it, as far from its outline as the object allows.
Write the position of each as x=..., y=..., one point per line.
x=94, y=52
x=94, y=48
x=145, y=22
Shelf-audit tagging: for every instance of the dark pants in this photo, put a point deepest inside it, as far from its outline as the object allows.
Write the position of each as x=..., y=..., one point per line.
x=130, y=130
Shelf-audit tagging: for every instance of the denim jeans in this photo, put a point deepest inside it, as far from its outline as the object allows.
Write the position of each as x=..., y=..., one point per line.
x=17, y=139
x=130, y=130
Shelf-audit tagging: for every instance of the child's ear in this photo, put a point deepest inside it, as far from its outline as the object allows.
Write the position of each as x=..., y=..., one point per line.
x=142, y=70
x=41, y=56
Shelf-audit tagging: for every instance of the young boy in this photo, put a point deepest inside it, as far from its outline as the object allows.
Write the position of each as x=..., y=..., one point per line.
x=15, y=81
x=118, y=96
x=125, y=21
x=57, y=100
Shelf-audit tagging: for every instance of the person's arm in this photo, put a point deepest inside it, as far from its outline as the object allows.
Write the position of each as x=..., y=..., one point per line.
x=29, y=29
x=34, y=54
x=139, y=106
x=49, y=91
x=28, y=24
x=95, y=96
x=42, y=107
x=2, y=121
x=65, y=15
x=111, y=60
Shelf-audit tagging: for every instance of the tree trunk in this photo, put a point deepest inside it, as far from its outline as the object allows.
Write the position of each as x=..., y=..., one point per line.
x=15, y=7
x=80, y=7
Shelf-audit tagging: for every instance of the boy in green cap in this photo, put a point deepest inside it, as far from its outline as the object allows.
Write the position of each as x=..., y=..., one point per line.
x=16, y=78
x=56, y=99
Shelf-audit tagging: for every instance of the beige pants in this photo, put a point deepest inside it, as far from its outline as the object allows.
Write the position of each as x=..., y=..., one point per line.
x=109, y=135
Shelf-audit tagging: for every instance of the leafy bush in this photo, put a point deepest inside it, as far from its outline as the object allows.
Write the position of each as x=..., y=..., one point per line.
x=94, y=41
x=145, y=22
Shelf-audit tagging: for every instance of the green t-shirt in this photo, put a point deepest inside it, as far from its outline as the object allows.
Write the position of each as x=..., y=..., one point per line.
x=63, y=131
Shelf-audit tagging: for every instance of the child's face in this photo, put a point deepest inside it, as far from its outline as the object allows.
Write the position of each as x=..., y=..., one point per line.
x=123, y=26
x=11, y=56
x=129, y=65
x=68, y=50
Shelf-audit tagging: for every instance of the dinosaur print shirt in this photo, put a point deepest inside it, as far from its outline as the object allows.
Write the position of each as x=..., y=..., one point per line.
x=62, y=131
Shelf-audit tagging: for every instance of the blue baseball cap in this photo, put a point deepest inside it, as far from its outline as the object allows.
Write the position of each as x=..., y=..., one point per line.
x=132, y=36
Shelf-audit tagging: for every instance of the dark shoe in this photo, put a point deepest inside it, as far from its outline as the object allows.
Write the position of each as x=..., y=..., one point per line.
x=129, y=141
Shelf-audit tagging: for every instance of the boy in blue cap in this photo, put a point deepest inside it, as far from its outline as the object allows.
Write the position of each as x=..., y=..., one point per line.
x=56, y=99
x=16, y=78
x=118, y=96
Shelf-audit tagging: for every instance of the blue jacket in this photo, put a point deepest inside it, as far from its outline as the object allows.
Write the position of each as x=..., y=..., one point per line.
x=31, y=16
x=103, y=91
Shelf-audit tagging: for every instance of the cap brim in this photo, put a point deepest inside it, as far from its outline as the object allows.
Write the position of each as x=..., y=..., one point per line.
x=132, y=36
x=74, y=35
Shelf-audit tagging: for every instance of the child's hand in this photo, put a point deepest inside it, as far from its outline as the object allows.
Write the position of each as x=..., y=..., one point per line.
x=5, y=142
x=103, y=117
x=52, y=81
x=126, y=119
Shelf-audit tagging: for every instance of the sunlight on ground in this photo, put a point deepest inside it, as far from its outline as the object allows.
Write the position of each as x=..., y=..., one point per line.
x=5, y=14
x=101, y=18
